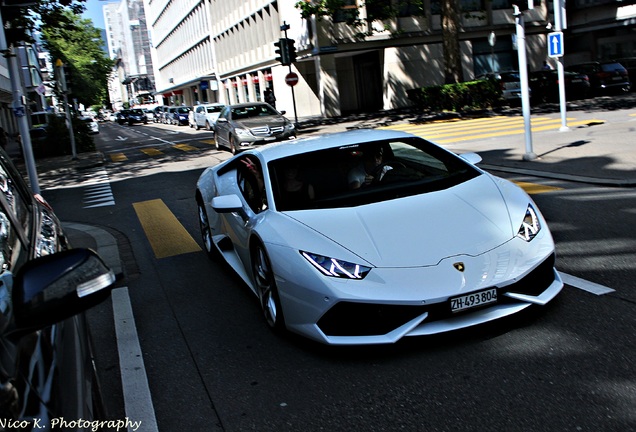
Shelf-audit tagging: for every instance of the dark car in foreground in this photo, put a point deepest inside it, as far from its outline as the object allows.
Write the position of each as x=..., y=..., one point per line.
x=545, y=85
x=46, y=363
x=604, y=77
x=247, y=125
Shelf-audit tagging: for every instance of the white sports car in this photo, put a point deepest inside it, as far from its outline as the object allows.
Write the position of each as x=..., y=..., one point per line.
x=367, y=236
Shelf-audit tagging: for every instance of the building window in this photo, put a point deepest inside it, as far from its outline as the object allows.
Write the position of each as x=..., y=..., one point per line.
x=347, y=13
x=408, y=8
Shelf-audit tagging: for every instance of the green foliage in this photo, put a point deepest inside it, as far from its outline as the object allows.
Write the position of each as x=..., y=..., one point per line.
x=21, y=22
x=78, y=46
x=56, y=140
x=480, y=94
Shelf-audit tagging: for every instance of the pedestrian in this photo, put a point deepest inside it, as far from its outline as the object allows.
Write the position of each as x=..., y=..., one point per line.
x=269, y=97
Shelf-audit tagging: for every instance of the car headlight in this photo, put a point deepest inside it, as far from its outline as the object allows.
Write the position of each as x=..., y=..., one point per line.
x=335, y=267
x=290, y=126
x=530, y=226
x=242, y=132
x=47, y=239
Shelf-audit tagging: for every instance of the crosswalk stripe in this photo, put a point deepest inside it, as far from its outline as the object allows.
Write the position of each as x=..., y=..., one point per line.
x=465, y=130
x=152, y=151
x=534, y=188
x=118, y=157
x=185, y=147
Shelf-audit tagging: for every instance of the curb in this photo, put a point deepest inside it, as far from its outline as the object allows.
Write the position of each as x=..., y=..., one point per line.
x=558, y=176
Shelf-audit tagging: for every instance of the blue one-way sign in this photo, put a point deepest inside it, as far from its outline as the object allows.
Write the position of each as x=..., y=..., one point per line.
x=555, y=44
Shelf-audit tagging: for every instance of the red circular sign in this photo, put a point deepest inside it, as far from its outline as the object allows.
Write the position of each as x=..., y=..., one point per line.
x=291, y=79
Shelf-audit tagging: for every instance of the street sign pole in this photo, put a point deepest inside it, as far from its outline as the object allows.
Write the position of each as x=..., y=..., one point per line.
x=559, y=19
x=523, y=78
x=284, y=28
x=20, y=110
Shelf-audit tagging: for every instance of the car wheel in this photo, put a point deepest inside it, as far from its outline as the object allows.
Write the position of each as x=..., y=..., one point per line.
x=206, y=232
x=207, y=126
x=216, y=143
x=233, y=145
x=266, y=288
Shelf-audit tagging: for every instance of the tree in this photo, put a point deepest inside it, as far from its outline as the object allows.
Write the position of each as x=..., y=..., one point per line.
x=78, y=46
x=22, y=21
x=450, y=42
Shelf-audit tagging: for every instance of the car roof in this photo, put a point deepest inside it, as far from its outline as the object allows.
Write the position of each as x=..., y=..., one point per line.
x=283, y=149
x=247, y=104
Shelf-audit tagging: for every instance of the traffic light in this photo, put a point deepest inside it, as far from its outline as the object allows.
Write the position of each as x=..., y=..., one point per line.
x=68, y=78
x=282, y=51
x=291, y=50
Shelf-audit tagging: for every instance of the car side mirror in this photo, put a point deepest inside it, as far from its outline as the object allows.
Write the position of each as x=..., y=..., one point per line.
x=52, y=288
x=472, y=158
x=283, y=112
x=229, y=204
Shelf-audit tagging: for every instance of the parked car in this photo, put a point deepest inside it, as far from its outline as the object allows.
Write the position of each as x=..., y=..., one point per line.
x=604, y=76
x=178, y=115
x=545, y=85
x=509, y=82
x=150, y=114
x=122, y=116
x=246, y=125
x=159, y=113
x=91, y=123
x=137, y=115
x=467, y=247
x=46, y=363
x=205, y=115
x=629, y=63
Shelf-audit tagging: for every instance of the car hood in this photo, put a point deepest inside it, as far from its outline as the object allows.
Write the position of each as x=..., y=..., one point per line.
x=271, y=121
x=471, y=218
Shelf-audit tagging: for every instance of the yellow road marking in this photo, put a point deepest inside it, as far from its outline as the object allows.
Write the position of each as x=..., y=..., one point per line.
x=533, y=188
x=165, y=233
x=462, y=135
x=118, y=157
x=152, y=152
x=210, y=141
x=185, y=147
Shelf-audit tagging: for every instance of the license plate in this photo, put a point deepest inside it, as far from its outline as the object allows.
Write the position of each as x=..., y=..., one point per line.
x=617, y=78
x=472, y=300
x=577, y=80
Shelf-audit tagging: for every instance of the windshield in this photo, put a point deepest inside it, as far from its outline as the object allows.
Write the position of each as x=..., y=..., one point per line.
x=183, y=110
x=365, y=173
x=214, y=109
x=243, y=112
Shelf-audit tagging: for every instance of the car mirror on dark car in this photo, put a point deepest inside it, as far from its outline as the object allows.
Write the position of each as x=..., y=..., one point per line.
x=55, y=287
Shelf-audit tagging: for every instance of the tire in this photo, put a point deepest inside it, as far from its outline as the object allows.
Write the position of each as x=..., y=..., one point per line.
x=216, y=144
x=233, y=149
x=207, y=126
x=206, y=232
x=266, y=289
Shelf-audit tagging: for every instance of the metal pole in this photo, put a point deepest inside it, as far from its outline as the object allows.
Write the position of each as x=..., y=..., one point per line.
x=525, y=88
x=558, y=26
x=285, y=26
x=20, y=110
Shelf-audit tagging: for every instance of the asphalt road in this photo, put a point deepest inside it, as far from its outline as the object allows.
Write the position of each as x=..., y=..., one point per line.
x=212, y=364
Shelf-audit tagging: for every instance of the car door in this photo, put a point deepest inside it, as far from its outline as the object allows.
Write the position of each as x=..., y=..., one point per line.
x=250, y=187
x=222, y=128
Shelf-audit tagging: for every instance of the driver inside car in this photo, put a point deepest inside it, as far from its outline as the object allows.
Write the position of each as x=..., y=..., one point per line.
x=369, y=169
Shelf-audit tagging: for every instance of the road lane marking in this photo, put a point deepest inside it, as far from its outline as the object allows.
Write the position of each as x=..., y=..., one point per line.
x=134, y=380
x=165, y=233
x=585, y=285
